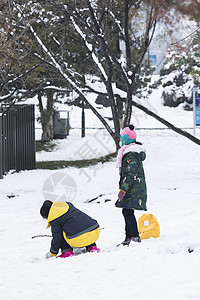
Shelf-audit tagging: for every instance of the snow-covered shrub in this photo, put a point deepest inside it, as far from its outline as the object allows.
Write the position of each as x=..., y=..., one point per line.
x=177, y=88
x=180, y=73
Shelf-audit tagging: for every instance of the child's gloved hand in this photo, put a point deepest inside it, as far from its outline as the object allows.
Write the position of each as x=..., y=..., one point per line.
x=48, y=255
x=121, y=194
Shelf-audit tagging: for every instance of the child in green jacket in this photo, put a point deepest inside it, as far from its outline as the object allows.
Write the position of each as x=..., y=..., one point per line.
x=133, y=193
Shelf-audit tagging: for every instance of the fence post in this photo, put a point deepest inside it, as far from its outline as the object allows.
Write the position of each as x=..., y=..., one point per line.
x=25, y=138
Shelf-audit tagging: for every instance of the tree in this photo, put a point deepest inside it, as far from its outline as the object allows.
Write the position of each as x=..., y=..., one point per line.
x=90, y=24
x=9, y=54
x=180, y=73
x=118, y=59
x=30, y=74
x=25, y=73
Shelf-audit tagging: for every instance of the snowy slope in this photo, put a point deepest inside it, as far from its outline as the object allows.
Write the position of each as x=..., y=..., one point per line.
x=161, y=268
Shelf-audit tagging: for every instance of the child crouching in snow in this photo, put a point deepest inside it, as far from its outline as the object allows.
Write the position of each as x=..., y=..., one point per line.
x=133, y=193
x=70, y=228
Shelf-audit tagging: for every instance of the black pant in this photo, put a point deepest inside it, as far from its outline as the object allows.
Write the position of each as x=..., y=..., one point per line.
x=66, y=247
x=131, y=227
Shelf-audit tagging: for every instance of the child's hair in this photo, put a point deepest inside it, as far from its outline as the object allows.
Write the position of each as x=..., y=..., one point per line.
x=138, y=143
x=44, y=210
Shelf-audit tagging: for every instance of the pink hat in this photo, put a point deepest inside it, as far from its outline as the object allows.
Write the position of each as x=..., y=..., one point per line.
x=129, y=131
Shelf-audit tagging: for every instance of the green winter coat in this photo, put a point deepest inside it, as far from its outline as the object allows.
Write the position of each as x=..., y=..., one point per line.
x=132, y=179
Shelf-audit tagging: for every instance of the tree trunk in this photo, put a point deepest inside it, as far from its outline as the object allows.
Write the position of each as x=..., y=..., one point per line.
x=120, y=108
x=47, y=129
x=129, y=85
x=46, y=117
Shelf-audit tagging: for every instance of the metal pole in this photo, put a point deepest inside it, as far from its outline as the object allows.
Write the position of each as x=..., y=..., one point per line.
x=194, y=111
x=83, y=121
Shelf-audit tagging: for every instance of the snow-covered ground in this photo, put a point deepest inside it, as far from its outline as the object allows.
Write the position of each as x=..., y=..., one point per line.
x=163, y=268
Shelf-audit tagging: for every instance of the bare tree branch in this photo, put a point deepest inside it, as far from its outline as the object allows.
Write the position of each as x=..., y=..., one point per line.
x=165, y=122
x=187, y=36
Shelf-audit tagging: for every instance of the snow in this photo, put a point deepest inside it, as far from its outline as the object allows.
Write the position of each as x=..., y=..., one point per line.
x=163, y=268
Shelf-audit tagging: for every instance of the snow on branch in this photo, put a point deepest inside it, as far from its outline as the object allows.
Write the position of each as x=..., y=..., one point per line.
x=2, y=98
x=117, y=22
x=56, y=65
x=71, y=82
x=89, y=47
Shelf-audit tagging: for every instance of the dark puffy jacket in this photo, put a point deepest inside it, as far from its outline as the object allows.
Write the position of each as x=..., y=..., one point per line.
x=132, y=179
x=67, y=220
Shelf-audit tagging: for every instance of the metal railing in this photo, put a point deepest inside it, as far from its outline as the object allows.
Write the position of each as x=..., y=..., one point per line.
x=17, y=138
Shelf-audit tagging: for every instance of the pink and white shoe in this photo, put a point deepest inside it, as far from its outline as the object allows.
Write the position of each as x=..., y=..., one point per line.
x=93, y=249
x=66, y=254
